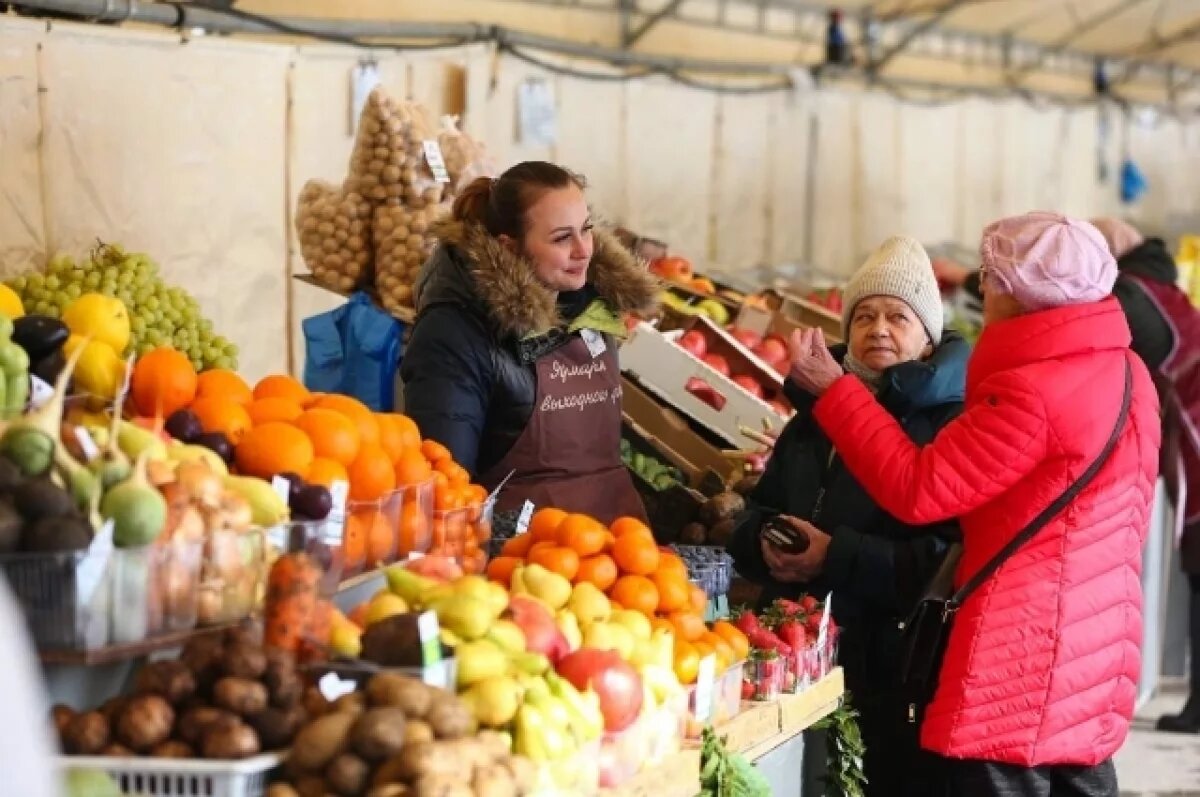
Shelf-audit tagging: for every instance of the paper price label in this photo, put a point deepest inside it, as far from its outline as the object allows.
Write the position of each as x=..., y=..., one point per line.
x=282, y=488
x=86, y=444
x=437, y=164
x=706, y=678
x=40, y=392
x=332, y=687
x=823, y=628
x=92, y=568
x=594, y=342
x=429, y=632
x=524, y=518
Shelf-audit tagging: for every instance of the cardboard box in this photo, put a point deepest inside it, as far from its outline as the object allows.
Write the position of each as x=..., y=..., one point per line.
x=672, y=374
x=767, y=322
x=673, y=438
x=805, y=313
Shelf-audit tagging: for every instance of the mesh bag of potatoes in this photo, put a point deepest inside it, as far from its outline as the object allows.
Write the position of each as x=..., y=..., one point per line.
x=333, y=225
x=402, y=244
x=466, y=158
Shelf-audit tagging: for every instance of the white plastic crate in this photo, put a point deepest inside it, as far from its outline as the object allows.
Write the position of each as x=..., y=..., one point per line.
x=182, y=777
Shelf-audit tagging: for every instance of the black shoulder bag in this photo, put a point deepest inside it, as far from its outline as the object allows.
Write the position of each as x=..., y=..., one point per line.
x=925, y=634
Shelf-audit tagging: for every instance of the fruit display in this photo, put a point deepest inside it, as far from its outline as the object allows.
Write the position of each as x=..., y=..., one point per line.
x=717, y=312
x=649, y=468
x=725, y=357
x=42, y=338
x=225, y=697
x=14, y=371
x=156, y=314
x=787, y=653
x=398, y=737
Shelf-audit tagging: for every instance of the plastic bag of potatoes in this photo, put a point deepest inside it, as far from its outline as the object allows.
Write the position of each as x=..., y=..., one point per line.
x=466, y=158
x=333, y=225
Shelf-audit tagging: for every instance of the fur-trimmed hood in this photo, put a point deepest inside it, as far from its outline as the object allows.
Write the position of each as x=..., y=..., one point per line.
x=472, y=267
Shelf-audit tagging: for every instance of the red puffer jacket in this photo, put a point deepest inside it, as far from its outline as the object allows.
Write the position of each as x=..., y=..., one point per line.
x=1043, y=659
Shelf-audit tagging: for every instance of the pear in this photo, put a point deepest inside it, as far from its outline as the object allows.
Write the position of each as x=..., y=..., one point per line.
x=636, y=623
x=508, y=636
x=477, y=661
x=568, y=624
x=551, y=588
x=469, y=618
x=494, y=701
x=407, y=584
x=346, y=640
x=529, y=663
x=589, y=604
x=383, y=606
x=609, y=636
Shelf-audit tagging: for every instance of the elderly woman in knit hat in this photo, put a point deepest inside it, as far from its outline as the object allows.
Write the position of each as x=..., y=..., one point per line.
x=1166, y=334
x=875, y=564
x=1037, y=687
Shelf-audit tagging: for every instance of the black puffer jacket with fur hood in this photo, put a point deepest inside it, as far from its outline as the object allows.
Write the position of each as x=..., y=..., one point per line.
x=483, y=320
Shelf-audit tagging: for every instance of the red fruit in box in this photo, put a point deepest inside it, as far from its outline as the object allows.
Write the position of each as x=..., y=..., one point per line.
x=746, y=337
x=747, y=622
x=693, y=341
x=747, y=690
x=614, y=681
x=706, y=393
x=749, y=384
x=813, y=622
x=792, y=632
x=774, y=352
x=809, y=604
x=762, y=639
x=537, y=623
x=678, y=269
x=717, y=363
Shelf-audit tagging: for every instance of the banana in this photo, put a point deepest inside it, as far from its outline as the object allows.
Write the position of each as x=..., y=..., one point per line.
x=529, y=737
x=554, y=713
x=586, y=719
x=266, y=507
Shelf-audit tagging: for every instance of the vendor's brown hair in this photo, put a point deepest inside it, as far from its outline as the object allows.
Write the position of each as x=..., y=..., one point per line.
x=500, y=203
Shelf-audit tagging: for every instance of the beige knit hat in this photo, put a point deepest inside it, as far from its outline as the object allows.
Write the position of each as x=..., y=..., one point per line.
x=900, y=268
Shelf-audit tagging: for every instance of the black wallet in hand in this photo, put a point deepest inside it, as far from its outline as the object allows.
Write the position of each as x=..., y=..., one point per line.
x=784, y=536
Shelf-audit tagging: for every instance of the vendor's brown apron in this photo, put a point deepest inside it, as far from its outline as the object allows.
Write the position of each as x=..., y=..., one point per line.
x=569, y=455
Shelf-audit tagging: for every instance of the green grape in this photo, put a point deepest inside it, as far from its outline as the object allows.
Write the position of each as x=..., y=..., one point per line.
x=166, y=326
x=137, y=324
x=223, y=362
x=35, y=281
x=152, y=303
x=45, y=308
x=110, y=274
x=72, y=291
x=108, y=288
x=144, y=348
x=212, y=353
x=92, y=280
x=52, y=282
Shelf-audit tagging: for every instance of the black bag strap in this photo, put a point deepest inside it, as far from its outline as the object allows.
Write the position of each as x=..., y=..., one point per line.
x=1049, y=512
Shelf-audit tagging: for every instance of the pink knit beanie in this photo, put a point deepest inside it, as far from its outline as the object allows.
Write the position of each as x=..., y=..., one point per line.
x=1121, y=237
x=1046, y=260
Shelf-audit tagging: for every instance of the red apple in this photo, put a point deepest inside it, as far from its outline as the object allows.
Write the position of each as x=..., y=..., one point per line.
x=749, y=384
x=706, y=393
x=676, y=269
x=774, y=352
x=717, y=363
x=694, y=341
x=746, y=337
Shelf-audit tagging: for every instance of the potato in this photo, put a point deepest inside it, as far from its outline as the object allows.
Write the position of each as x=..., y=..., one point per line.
x=195, y=722
x=417, y=731
x=281, y=790
x=443, y=785
x=86, y=734
x=315, y=704
x=348, y=775
x=111, y=709
x=277, y=727
x=244, y=661
x=318, y=742
x=60, y=717
x=170, y=679
x=493, y=781
x=116, y=750
x=240, y=695
x=284, y=685
x=391, y=790
x=450, y=718
x=310, y=786
x=495, y=744
x=401, y=691
x=173, y=749
x=146, y=722
x=230, y=742
x=378, y=733
x=354, y=703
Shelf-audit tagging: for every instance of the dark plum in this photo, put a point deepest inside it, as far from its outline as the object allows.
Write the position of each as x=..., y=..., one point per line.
x=312, y=501
x=217, y=443
x=184, y=426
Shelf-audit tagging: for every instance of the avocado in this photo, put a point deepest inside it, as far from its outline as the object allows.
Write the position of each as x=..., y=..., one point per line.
x=393, y=642
x=57, y=535
x=10, y=528
x=10, y=475
x=40, y=498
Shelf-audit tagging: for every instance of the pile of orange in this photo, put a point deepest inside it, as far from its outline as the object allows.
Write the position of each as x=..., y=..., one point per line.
x=627, y=564
x=279, y=426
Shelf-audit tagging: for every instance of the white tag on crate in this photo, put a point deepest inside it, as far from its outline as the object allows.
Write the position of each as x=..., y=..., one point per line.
x=823, y=628
x=86, y=444
x=429, y=633
x=92, y=567
x=706, y=679
x=524, y=518
x=282, y=488
x=437, y=164
x=332, y=687
x=40, y=392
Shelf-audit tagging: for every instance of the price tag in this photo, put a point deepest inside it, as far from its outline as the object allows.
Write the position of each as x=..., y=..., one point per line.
x=92, y=568
x=428, y=632
x=415, y=555
x=332, y=687
x=706, y=679
x=823, y=628
x=363, y=80
x=124, y=391
x=594, y=342
x=282, y=488
x=40, y=392
x=437, y=164
x=524, y=518
x=86, y=443
x=335, y=521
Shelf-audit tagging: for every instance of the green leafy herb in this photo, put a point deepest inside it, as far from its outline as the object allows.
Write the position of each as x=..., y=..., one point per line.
x=844, y=752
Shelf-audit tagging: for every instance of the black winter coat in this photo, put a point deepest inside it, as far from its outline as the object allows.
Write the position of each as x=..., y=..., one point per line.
x=483, y=320
x=1152, y=336
x=876, y=566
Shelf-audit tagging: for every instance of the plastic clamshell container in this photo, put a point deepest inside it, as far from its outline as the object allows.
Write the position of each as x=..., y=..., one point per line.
x=231, y=575
x=301, y=583
x=463, y=534
x=768, y=677
x=181, y=777
x=576, y=775
x=65, y=597
x=372, y=532
x=155, y=589
x=726, y=699
x=415, y=525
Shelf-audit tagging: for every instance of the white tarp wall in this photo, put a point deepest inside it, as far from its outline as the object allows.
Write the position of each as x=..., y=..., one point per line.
x=195, y=153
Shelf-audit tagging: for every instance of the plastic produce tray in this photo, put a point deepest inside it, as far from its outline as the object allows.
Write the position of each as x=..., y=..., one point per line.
x=709, y=566
x=181, y=777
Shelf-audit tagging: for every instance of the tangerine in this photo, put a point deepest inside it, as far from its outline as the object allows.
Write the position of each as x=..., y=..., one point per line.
x=688, y=625
x=698, y=600
x=670, y=562
x=581, y=533
x=635, y=554
x=163, y=381
x=686, y=662
x=556, y=559
x=673, y=593
x=455, y=473
x=413, y=534
x=637, y=593
x=334, y=436
x=412, y=468
x=325, y=472
x=222, y=415
x=625, y=525
x=544, y=524
x=518, y=546
x=273, y=408
x=501, y=569
x=435, y=452
x=273, y=448
x=281, y=386
x=223, y=383
x=599, y=570
x=355, y=410
x=371, y=474
x=391, y=436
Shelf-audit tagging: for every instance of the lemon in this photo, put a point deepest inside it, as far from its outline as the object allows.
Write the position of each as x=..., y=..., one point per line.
x=10, y=303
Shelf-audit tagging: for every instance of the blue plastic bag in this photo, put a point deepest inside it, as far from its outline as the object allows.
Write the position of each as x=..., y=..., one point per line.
x=354, y=350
